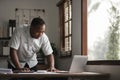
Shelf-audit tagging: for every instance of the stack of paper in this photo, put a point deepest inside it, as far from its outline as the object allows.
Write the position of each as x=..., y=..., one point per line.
x=5, y=71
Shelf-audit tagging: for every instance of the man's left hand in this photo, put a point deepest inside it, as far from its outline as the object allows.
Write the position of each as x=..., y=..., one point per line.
x=52, y=69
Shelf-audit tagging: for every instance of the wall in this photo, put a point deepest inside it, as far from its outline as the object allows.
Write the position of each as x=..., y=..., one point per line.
x=7, y=11
x=76, y=29
x=3, y=62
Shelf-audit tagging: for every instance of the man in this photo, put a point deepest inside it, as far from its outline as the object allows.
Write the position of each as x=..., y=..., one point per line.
x=26, y=42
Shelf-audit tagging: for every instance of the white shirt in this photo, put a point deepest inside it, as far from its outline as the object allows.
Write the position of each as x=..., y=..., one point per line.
x=27, y=47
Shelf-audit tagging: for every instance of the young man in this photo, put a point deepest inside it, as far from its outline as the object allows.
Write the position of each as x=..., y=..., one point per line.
x=26, y=42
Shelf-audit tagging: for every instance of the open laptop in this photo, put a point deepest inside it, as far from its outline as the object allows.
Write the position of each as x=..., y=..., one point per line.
x=78, y=64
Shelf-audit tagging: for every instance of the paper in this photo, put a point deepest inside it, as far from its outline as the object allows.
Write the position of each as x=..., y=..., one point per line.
x=62, y=72
x=41, y=71
x=5, y=71
x=6, y=50
x=89, y=73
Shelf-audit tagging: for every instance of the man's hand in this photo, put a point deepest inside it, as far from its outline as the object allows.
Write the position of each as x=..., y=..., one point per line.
x=52, y=69
x=25, y=70
x=50, y=60
x=22, y=70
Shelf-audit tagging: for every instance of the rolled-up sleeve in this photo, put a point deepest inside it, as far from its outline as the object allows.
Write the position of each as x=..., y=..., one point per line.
x=15, y=40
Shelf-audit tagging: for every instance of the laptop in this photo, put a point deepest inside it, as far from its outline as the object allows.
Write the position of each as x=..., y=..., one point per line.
x=78, y=64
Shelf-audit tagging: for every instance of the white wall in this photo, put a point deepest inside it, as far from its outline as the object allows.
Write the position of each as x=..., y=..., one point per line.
x=76, y=27
x=7, y=11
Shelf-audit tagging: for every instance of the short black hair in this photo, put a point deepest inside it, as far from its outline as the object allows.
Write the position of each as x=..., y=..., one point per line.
x=37, y=21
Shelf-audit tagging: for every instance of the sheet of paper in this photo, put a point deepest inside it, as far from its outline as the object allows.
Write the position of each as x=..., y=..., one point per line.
x=40, y=73
x=5, y=71
x=90, y=73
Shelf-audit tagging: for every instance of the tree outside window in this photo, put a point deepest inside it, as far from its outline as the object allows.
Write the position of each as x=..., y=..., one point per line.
x=103, y=29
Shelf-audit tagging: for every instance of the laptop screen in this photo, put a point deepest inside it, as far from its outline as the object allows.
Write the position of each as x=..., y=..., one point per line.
x=78, y=64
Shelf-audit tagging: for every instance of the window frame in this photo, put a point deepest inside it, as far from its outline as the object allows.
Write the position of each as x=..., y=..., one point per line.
x=62, y=22
x=84, y=38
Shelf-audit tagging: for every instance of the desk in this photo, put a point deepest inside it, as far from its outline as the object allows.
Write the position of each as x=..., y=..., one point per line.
x=83, y=75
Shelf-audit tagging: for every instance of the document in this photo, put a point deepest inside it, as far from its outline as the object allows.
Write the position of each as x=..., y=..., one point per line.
x=39, y=72
x=44, y=72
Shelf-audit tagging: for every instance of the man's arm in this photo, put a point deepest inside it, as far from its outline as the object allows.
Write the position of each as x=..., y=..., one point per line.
x=14, y=58
x=51, y=63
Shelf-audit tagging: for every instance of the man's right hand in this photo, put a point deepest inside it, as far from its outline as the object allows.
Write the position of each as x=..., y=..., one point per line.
x=25, y=70
x=22, y=70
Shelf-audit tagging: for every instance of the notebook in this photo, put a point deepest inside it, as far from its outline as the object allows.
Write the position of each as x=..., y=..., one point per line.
x=78, y=64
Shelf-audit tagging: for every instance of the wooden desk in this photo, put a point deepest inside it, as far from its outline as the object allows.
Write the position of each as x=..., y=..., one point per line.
x=83, y=75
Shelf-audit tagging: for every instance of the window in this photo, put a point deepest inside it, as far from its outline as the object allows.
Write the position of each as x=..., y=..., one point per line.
x=65, y=11
x=100, y=29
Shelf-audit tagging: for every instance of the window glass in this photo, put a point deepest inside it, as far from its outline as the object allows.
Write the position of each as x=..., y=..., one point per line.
x=66, y=11
x=103, y=29
x=70, y=27
x=66, y=29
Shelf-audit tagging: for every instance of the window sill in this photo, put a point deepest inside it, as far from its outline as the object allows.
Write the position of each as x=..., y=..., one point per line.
x=64, y=54
x=104, y=62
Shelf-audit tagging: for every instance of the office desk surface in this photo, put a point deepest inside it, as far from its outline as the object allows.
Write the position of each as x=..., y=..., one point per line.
x=86, y=75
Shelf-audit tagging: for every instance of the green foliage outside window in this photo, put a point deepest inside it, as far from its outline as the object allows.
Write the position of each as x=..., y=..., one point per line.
x=113, y=37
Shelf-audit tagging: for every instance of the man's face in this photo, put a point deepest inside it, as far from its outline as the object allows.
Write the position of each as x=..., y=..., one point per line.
x=37, y=31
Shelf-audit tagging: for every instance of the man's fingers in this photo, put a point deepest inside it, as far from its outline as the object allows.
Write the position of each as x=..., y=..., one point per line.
x=51, y=69
x=25, y=69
